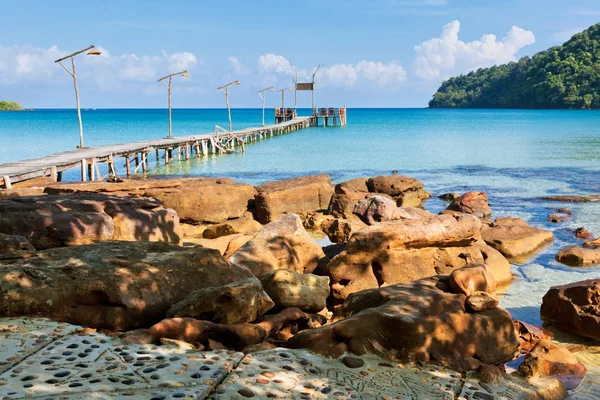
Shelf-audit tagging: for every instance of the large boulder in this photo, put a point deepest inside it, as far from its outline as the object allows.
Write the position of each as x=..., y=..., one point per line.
x=345, y=197
x=475, y=203
x=130, y=186
x=287, y=288
x=111, y=285
x=299, y=196
x=576, y=256
x=416, y=322
x=549, y=359
x=14, y=246
x=471, y=279
x=574, y=308
x=245, y=224
x=377, y=209
x=282, y=244
x=408, y=192
x=241, y=301
x=513, y=237
x=54, y=221
x=340, y=230
x=406, y=250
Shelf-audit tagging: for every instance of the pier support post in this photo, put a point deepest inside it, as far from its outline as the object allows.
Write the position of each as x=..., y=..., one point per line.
x=127, y=166
x=187, y=154
x=53, y=174
x=197, y=147
x=157, y=155
x=204, y=148
x=83, y=171
x=144, y=158
x=7, y=183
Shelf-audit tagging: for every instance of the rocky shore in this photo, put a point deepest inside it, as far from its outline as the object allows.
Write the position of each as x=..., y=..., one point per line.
x=402, y=304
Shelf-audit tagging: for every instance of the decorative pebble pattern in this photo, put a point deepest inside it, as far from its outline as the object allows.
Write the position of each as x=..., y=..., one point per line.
x=298, y=374
x=21, y=337
x=510, y=388
x=98, y=364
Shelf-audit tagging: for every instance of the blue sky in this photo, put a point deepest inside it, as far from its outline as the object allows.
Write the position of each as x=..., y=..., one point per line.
x=376, y=53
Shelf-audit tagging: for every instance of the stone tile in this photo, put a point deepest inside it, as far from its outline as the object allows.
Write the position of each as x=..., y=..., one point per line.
x=512, y=388
x=94, y=363
x=298, y=374
x=21, y=337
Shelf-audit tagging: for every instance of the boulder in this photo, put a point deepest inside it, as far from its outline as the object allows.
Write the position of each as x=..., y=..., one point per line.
x=377, y=209
x=574, y=308
x=287, y=288
x=408, y=192
x=245, y=224
x=131, y=186
x=513, y=237
x=54, y=221
x=475, y=203
x=299, y=196
x=481, y=301
x=530, y=335
x=110, y=285
x=576, y=256
x=471, y=279
x=241, y=301
x=449, y=197
x=226, y=245
x=549, y=359
x=15, y=246
x=406, y=250
x=345, y=197
x=340, y=230
x=282, y=244
x=557, y=218
x=591, y=244
x=583, y=234
x=434, y=327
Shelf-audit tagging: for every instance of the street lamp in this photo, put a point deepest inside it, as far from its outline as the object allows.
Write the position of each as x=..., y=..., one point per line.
x=226, y=93
x=313, y=86
x=183, y=73
x=261, y=93
x=282, y=91
x=73, y=73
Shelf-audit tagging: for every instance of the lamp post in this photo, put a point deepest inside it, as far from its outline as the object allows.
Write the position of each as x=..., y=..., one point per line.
x=313, y=86
x=93, y=52
x=226, y=93
x=183, y=73
x=295, y=88
x=261, y=93
x=282, y=91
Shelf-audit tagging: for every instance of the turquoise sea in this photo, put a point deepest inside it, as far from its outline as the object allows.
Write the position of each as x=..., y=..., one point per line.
x=515, y=156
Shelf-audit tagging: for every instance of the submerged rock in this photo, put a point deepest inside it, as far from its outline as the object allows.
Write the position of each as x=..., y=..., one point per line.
x=110, y=285
x=475, y=203
x=434, y=324
x=282, y=244
x=287, y=288
x=549, y=359
x=241, y=301
x=299, y=196
x=513, y=237
x=576, y=256
x=574, y=308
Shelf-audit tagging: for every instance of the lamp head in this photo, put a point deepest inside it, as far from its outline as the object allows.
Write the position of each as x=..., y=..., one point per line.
x=185, y=74
x=236, y=82
x=94, y=52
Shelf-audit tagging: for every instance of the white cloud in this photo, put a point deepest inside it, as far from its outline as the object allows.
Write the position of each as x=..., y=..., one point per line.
x=274, y=63
x=238, y=67
x=442, y=57
x=180, y=61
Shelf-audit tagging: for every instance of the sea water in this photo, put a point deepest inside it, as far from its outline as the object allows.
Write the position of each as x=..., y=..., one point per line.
x=516, y=156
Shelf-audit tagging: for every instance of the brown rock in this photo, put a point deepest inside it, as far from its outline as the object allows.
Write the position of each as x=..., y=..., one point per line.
x=481, y=301
x=345, y=197
x=530, y=335
x=592, y=243
x=475, y=203
x=557, y=218
x=547, y=358
x=54, y=221
x=299, y=196
x=434, y=327
x=111, y=285
x=353, y=362
x=25, y=192
x=226, y=245
x=287, y=289
x=449, y=197
x=377, y=209
x=406, y=250
x=471, y=279
x=593, y=198
x=574, y=308
x=583, y=233
x=245, y=224
x=576, y=256
x=282, y=244
x=241, y=301
x=15, y=246
x=393, y=185
x=513, y=237
x=131, y=186
x=340, y=230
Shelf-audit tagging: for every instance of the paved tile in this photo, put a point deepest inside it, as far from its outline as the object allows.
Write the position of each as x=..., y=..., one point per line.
x=298, y=374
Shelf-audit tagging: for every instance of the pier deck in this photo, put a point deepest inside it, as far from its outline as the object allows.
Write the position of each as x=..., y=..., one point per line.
x=177, y=147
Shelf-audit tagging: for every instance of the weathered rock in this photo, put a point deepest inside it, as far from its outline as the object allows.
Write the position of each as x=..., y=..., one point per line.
x=592, y=198
x=287, y=288
x=202, y=202
x=340, y=230
x=377, y=209
x=111, y=285
x=481, y=301
x=549, y=359
x=557, y=218
x=226, y=245
x=294, y=196
x=24, y=192
x=406, y=250
x=241, y=301
x=345, y=197
x=195, y=231
x=583, y=234
x=592, y=243
x=245, y=224
x=54, y=221
x=393, y=185
x=475, y=203
x=513, y=237
x=434, y=327
x=15, y=246
x=574, y=308
x=449, y=197
x=131, y=186
x=530, y=335
x=282, y=244
x=317, y=221
x=472, y=278
x=576, y=256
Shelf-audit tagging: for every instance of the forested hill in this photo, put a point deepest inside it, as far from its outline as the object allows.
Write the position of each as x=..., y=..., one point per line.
x=566, y=76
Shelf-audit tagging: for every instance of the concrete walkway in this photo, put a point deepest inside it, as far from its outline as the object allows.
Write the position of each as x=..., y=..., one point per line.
x=47, y=360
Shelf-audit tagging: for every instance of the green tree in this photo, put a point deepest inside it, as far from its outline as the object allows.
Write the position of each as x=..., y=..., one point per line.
x=9, y=106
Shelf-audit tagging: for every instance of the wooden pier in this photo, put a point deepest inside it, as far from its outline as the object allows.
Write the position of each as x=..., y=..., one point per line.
x=136, y=155
x=320, y=116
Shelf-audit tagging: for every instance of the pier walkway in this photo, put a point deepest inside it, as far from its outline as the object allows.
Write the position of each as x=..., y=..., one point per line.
x=89, y=158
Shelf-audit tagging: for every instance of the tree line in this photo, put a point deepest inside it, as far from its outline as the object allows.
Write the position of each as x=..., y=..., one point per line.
x=6, y=105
